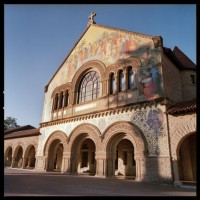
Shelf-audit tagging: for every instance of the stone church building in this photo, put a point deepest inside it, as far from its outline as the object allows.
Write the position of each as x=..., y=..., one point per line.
x=119, y=105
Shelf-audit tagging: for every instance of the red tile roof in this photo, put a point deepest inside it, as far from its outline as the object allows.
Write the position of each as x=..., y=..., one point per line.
x=182, y=107
x=23, y=133
x=179, y=58
x=18, y=129
x=183, y=59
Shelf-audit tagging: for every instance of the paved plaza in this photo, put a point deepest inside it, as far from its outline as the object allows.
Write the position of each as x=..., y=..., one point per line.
x=20, y=182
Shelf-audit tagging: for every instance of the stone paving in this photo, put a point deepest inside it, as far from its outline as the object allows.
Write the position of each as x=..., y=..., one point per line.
x=21, y=182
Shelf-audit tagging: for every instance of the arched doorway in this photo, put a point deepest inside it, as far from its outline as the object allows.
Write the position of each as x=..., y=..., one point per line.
x=55, y=156
x=187, y=159
x=125, y=164
x=18, y=157
x=126, y=149
x=8, y=157
x=30, y=158
x=87, y=162
x=84, y=143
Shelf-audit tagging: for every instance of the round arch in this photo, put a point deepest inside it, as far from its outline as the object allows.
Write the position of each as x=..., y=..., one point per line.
x=123, y=64
x=125, y=145
x=84, y=142
x=98, y=66
x=182, y=131
x=56, y=135
x=18, y=156
x=126, y=130
x=29, y=156
x=54, y=149
x=16, y=145
x=186, y=153
x=8, y=156
x=85, y=130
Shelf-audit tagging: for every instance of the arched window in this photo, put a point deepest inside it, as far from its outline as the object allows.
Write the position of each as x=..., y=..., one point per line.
x=89, y=87
x=66, y=98
x=61, y=100
x=112, y=83
x=121, y=81
x=55, y=105
x=130, y=78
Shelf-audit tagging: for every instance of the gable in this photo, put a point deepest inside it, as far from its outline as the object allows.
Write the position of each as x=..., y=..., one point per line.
x=107, y=45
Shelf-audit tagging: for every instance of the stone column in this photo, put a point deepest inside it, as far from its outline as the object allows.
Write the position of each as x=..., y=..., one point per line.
x=66, y=163
x=13, y=162
x=177, y=182
x=116, y=84
x=104, y=87
x=24, y=163
x=20, y=162
x=41, y=163
x=125, y=86
x=71, y=98
x=100, y=164
x=139, y=169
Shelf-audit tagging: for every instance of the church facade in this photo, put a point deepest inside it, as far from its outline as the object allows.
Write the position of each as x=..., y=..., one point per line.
x=120, y=104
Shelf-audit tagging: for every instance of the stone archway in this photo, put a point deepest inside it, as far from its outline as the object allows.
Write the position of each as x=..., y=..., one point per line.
x=86, y=159
x=125, y=134
x=187, y=159
x=18, y=157
x=97, y=66
x=55, y=156
x=54, y=151
x=8, y=157
x=29, y=157
x=124, y=159
x=84, y=142
x=180, y=133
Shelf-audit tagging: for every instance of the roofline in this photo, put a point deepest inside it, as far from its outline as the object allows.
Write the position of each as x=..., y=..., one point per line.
x=21, y=136
x=170, y=110
x=101, y=26
x=122, y=30
x=168, y=52
x=20, y=128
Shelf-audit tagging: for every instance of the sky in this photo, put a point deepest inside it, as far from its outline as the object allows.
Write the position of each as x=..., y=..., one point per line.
x=38, y=37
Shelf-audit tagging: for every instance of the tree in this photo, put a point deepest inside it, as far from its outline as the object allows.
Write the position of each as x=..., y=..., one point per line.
x=10, y=122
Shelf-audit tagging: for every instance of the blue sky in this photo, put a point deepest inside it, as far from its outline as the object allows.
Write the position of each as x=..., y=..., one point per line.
x=37, y=38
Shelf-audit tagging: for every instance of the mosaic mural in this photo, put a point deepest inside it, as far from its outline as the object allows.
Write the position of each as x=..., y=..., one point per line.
x=152, y=125
x=155, y=119
x=110, y=46
x=149, y=80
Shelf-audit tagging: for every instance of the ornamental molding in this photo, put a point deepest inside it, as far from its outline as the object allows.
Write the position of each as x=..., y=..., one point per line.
x=123, y=64
x=85, y=67
x=85, y=130
x=57, y=135
x=124, y=31
x=130, y=107
x=125, y=130
x=62, y=88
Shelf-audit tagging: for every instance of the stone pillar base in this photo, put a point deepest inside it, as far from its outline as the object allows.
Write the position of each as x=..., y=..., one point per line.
x=100, y=176
x=177, y=183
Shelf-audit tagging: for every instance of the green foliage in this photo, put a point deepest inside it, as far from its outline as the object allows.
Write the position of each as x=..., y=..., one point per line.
x=10, y=122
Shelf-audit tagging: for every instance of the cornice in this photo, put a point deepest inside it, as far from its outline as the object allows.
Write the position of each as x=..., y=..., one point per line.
x=107, y=112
